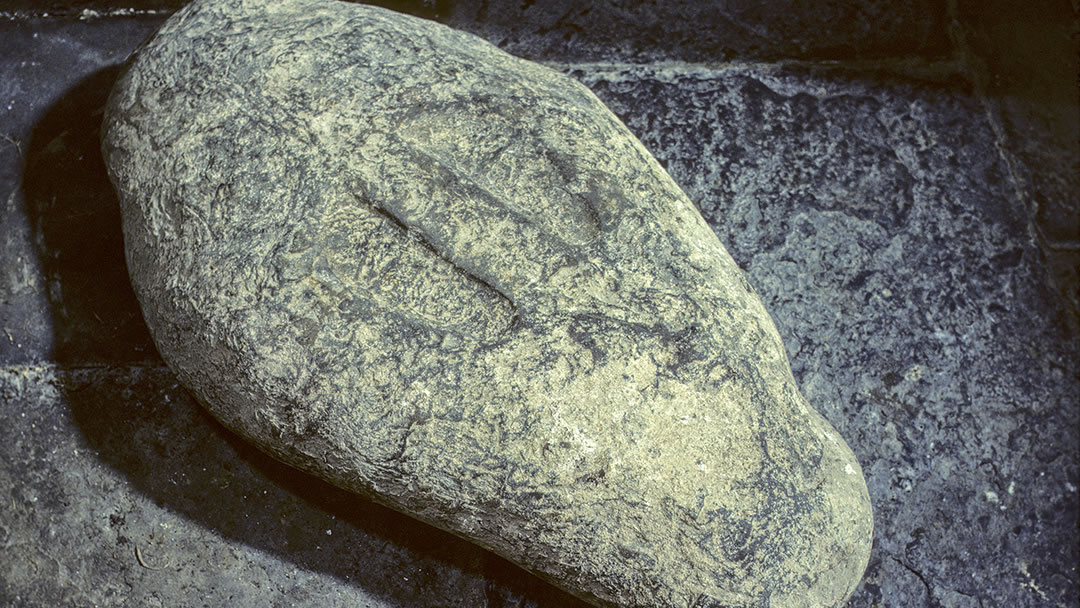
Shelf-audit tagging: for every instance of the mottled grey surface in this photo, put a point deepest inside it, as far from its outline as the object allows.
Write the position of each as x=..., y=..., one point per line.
x=95, y=427
x=914, y=304
x=448, y=279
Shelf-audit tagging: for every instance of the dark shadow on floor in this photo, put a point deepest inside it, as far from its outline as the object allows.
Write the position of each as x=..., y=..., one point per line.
x=76, y=222
x=140, y=423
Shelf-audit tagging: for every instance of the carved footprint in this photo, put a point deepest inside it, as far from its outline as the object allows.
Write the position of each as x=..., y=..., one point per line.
x=448, y=279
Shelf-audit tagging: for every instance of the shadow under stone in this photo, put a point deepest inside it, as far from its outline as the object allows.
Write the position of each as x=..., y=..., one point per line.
x=141, y=424
x=76, y=222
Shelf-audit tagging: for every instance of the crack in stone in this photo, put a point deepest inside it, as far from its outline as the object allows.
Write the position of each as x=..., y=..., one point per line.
x=929, y=590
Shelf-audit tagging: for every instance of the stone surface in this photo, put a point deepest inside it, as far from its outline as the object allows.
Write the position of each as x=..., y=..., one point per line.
x=708, y=32
x=1032, y=103
x=449, y=279
x=944, y=518
x=685, y=30
x=49, y=83
x=881, y=223
x=107, y=462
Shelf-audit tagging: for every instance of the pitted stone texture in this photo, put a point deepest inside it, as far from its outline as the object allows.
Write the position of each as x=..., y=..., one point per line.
x=392, y=255
x=882, y=227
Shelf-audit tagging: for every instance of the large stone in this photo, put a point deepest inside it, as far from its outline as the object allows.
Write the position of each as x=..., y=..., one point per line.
x=451, y=280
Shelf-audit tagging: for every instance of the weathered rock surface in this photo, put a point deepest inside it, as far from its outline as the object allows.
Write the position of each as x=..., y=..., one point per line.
x=392, y=255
